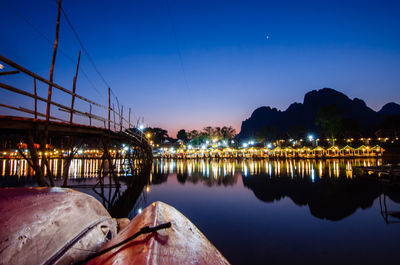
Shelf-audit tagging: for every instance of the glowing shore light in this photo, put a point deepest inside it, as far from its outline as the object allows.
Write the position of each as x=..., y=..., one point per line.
x=244, y=145
x=310, y=137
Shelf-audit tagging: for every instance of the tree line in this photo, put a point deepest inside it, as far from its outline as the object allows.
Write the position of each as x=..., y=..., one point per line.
x=208, y=133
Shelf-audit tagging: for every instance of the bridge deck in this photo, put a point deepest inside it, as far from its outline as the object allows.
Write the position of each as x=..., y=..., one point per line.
x=16, y=124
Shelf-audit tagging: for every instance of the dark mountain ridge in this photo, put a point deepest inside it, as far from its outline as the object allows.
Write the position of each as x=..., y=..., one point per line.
x=354, y=115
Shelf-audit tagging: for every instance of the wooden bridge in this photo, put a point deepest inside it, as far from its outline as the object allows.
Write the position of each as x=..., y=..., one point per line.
x=34, y=133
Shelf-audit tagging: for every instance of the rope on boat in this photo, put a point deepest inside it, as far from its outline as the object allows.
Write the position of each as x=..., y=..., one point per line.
x=142, y=231
x=68, y=245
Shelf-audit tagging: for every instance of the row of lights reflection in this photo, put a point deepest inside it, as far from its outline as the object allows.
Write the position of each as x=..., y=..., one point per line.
x=79, y=168
x=291, y=168
x=89, y=168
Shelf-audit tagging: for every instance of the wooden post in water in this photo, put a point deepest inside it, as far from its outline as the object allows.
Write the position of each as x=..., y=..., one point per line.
x=35, y=161
x=35, y=92
x=74, y=88
x=53, y=61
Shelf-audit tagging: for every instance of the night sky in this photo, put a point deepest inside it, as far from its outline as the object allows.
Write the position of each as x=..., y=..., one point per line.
x=189, y=64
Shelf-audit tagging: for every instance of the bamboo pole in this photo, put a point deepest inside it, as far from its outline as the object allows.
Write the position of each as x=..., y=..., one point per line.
x=122, y=114
x=38, y=77
x=129, y=122
x=9, y=73
x=53, y=61
x=114, y=118
x=109, y=108
x=35, y=93
x=74, y=88
x=90, y=115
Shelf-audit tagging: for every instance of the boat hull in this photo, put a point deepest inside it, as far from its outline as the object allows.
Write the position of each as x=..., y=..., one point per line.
x=51, y=226
x=182, y=243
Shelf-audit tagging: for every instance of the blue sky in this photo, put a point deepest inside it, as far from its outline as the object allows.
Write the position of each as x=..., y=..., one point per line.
x=210, y=62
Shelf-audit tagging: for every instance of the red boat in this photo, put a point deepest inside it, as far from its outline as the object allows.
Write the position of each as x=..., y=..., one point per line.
x=181, y=243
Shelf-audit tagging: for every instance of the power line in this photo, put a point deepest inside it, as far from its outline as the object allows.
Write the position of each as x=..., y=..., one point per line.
x=15, y=11
x=83, y=47
x=87, y=53
x=176, y=44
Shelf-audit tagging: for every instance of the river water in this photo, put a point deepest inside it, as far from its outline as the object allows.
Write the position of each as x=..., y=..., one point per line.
x=271, y=212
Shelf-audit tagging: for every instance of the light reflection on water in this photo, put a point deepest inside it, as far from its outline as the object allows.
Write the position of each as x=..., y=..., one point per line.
x=79, y=168
x=220, y=168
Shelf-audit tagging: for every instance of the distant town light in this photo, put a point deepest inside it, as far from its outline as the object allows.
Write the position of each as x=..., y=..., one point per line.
x=207, y=142
x=141, y=127
x=244, y=145
x=203, y=147
x=269, y=145
x=310, y=137
x=232, y=141
x=1, y=66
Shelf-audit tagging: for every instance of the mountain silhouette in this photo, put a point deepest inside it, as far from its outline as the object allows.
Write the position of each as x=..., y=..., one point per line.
x=390, y=109
x=328, y=198
x=353, y=113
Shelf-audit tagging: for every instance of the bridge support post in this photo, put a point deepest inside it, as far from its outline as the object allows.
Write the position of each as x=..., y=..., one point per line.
x=35, y=161
x=43, y=148
x=109, y=159
x=67, y=161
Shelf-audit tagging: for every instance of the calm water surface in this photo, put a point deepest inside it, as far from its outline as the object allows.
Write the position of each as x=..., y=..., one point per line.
x=275, y=212
x=284, y=212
